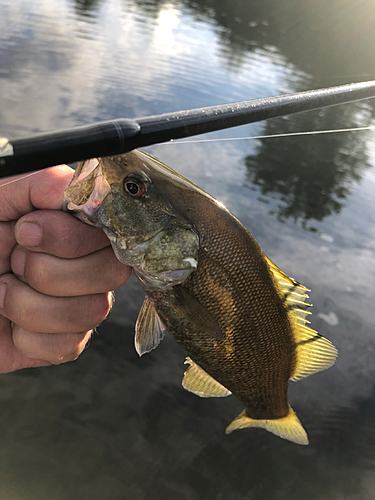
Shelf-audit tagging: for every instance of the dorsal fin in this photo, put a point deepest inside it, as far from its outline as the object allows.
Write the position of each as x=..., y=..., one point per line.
x=199, y=382
x=314, y=352
x=149, y=330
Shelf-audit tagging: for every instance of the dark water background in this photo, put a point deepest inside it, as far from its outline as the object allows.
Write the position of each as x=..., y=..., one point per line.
x=114, y=426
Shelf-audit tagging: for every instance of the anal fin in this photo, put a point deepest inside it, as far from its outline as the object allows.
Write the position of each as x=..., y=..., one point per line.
x=199, y=382
x=288, y=427
x=149, y=330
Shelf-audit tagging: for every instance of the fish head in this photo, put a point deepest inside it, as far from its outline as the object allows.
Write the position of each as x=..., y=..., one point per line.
x=130, y=196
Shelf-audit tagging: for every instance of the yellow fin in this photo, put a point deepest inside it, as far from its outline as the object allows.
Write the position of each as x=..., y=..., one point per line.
x=199, y=382
x=289, y=427
x=293, y=292
x=314, y=352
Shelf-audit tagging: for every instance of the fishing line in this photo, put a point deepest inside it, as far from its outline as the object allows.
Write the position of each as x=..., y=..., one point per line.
x=273, y=136
x=20, y=178
x=314, y=132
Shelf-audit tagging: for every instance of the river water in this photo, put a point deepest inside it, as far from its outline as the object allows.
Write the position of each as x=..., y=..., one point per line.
x=115, y=426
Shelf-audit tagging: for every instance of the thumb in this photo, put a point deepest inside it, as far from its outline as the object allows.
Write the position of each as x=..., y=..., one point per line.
x=43, y=189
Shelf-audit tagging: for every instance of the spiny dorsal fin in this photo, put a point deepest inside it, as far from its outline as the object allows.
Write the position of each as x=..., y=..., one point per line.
x=149, y=330
x=314, y=352
x=289, y=427
x=293, y=291
x=199, y=382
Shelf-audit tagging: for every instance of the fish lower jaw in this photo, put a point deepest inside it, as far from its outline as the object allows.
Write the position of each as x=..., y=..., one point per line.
x=79, y=213
x=85, y=213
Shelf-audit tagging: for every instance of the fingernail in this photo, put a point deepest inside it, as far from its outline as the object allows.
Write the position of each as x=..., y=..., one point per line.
x=3, y=287
x=18, y=261
x=29, y=234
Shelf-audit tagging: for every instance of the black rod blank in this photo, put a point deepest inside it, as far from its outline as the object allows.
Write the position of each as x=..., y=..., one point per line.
x=119, y=136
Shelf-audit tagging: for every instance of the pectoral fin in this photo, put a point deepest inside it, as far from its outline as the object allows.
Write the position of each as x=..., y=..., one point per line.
x=149, y=330
x=288, y=427
x=199, y=382
x=189, y=308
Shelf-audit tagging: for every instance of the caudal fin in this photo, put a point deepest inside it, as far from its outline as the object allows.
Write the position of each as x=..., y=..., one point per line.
x=288, y=427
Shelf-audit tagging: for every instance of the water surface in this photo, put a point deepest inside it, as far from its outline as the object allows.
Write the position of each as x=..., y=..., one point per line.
x=111, y=425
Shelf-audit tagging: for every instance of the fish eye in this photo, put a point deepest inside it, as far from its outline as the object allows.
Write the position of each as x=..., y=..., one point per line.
x=135, y=187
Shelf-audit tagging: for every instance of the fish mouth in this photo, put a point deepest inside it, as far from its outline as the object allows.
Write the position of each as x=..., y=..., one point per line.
x=81, y=212
x=91, y=180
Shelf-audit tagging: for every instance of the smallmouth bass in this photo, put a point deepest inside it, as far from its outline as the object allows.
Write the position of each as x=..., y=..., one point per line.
x=239, y=318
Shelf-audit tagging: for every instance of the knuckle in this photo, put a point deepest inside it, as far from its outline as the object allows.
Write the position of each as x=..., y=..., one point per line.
x=7, y=243
x=68, y=347
x=30, y=267
x=122, y=275
x=89, y=312
x=114, y=272
x=100, y=307
x=35, y=272
x=54, y=348
x=71, y=244
x=80, y=239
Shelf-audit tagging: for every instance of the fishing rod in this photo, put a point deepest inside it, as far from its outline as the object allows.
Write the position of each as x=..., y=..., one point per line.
x=120, y=136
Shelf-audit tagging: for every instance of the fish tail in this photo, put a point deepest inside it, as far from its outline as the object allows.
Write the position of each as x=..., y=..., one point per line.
x=288, y=427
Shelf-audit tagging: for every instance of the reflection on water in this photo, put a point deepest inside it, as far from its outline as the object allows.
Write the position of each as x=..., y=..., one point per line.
x=111, y=425
x=86, y=7
x=316, y=178
x=328, y=41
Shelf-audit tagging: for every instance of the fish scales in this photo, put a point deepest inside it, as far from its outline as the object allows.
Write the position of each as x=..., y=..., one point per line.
x=257, y=332
x=238, y=317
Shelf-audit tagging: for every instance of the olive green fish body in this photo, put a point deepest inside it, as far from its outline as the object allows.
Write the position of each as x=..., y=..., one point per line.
x=239, y=318
x=256, y=356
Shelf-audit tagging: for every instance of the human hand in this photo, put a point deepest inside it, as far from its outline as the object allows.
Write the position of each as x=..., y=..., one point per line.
x=56, y=273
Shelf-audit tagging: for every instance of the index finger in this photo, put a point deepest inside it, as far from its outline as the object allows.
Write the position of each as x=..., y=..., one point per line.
x=43, y=189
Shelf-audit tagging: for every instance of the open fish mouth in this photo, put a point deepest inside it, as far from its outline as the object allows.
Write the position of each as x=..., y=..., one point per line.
x=85, y=213
x=80, y=212
x=86, y=192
